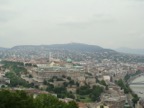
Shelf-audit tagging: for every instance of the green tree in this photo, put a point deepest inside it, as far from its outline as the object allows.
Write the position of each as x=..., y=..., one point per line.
x=20, y=99
x=103, y=83
x=101, y=106
x=16, y=80
x=49, y=101
x=135, y=99
x=45, y=82
x=72, y=104
x=15, y=99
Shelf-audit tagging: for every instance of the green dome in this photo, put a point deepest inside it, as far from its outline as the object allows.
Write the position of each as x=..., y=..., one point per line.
x=69, y=60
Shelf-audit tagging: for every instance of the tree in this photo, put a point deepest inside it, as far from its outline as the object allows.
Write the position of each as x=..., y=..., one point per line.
x=103, y=83
x=59, y=90
x=96, y=92
x=77, y=84
x=72, y=104
x=20, y=99
x=50, y=87
x=63, y=76
x=16, y=80
x=28, y=64
x=65, y=84
x=15, y=99
x=3, y=86
x=123, y=86
x=30, y=76
x=135, y=99
x=45, y=82
x=83, y=90
x=49, y=101
x=101, y=106
x=69, y=78
x=71, y=82
x=70, y=95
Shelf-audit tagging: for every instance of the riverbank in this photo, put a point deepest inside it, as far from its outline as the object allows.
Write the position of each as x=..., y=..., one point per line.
x=138, y=88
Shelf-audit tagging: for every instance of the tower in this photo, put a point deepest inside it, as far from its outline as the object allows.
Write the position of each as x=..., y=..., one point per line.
x=50, y=57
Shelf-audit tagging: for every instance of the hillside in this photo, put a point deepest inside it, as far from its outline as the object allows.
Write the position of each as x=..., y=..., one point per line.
x=2, y=49
x=70, y=46
x=131, y=51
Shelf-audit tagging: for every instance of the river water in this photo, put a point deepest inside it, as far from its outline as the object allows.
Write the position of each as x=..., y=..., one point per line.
x=138, y=88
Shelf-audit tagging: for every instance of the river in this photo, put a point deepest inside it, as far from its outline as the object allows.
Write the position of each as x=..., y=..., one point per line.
x=139, y=88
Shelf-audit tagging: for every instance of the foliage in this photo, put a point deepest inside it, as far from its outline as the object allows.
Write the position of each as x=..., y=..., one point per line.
x=55, y=78
x=28, y=64
x=84, y=90
x=16, y=80
x=60, y=91
x=20, y=99
x=17, y=67
x=77, y=84
x=137, y=73
x=102, y=82
x=65, y=84
x=49, y=101
x=123, y=86
x=71, y=82
x=17, y=99
x=10, y=63
x=30, y=76
x=128, y=76
x=128, y=90
x=135, y=98
x=89, y=74
x=69, y=78
x=101, y=106
x=94, y=93
x=45, y=82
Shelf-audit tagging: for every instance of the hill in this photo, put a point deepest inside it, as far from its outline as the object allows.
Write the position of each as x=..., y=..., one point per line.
x=70, y=46
x=131, y=51
x=2, y=49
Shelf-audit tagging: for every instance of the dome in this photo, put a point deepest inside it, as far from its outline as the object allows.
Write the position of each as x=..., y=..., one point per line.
x=69, y=60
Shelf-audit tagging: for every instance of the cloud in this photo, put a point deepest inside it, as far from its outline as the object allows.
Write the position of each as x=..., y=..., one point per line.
x=6, y=11
x=100, y=15
x=4, y=2
x=104, y=22
x=75, y=24
x=95, y=19
x=5, y=16
x=140, y=0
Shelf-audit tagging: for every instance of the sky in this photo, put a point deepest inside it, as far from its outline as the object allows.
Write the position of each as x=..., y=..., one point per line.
x=107, y=23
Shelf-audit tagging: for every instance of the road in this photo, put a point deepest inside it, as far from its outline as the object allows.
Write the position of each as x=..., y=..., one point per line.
x=129, y=99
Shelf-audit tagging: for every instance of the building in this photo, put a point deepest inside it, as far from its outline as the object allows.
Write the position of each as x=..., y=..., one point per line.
x=90, y=80
x=141, y=103
x=4, y=80
x=102, y=106
x=82, y=105
x=106, y=78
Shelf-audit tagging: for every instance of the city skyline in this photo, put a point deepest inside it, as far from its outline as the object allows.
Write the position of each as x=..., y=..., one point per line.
x=106, y=23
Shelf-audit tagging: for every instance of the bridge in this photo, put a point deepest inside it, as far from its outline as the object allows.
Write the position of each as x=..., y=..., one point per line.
x=137, y=83
x=130, y=81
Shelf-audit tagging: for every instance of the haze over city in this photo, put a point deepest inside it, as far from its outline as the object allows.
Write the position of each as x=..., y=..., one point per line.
x=71, y=54
x=107, y=23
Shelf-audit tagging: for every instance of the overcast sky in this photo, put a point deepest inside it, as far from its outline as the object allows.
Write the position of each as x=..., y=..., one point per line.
x=107, y=23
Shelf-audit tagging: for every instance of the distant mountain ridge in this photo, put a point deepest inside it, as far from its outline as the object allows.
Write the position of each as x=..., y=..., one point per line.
x=2, y=49
x=131, y=51
x=74, y=51
x=70, y=46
